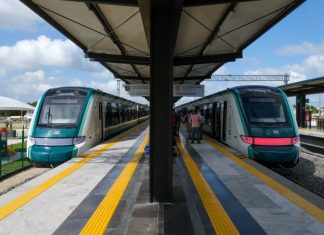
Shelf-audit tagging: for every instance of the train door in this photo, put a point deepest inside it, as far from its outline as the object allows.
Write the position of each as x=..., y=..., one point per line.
x=224, y=120
x=217, y=120
x=101, y=124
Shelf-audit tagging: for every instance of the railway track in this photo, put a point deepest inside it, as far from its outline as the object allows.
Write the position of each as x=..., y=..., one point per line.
x=313, y=144
x=309, y=173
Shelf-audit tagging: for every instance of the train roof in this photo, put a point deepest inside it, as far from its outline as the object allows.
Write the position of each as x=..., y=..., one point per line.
x=92, y=90
x=235, y=89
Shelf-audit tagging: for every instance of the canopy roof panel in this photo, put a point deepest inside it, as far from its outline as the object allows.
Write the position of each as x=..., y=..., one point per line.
x=12, y=104
x=116, y=32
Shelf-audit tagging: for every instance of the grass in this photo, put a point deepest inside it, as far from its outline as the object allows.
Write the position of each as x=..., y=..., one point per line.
x=13, y=166
x=17, y=147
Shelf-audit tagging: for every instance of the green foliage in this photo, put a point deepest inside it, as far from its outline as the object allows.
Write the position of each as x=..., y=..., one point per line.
x=14, y=166
x=17, y=147
x=312, y=108
x=7, y=113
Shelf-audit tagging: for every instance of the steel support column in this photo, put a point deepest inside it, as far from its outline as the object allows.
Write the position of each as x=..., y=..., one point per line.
x=161, y=44
x=300, y=110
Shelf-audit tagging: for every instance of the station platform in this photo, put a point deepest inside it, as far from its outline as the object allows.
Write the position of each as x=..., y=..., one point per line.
x=312, y=139
x=106, y=191
x=311, y=132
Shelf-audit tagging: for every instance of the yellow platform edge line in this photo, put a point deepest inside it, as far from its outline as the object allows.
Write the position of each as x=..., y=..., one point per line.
x=34, y=192
x=99, y=221
x=219, y=218
x=299, y=201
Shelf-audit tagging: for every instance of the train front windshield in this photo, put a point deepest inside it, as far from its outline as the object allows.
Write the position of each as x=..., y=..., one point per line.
x=265, y=109
x=62, y=110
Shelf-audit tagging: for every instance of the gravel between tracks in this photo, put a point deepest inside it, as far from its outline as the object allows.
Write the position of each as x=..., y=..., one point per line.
x=309, y=172
x=20, y=178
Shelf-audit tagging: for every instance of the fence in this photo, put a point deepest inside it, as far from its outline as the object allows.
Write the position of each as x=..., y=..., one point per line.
x=12, y=151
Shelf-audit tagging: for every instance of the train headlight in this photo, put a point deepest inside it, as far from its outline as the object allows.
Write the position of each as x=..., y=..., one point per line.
x=31, y=140
x=78, y=140
x=247, y=139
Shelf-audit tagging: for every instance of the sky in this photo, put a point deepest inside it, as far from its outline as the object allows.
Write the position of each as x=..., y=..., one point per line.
x=35, y=57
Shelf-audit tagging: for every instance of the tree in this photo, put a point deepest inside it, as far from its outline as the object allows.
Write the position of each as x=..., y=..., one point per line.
x=312, y=108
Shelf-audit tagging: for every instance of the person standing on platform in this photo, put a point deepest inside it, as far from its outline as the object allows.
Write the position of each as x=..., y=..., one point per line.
x=178, y=122
x=195, y=120
x=188, y=124
x=202, y=122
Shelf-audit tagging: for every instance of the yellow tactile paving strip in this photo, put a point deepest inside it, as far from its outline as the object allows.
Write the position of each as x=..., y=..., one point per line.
x=220, y=220
x=100, y=219
x=299, y=201
x=29, y=195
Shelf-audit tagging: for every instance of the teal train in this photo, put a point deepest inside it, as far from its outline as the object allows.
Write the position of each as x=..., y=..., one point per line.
x=254, y=120
x=70, y=120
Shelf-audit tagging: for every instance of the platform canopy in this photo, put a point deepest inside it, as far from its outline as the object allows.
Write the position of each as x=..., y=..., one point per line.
x=12, y=104
x=306, y=87
x=207, y=33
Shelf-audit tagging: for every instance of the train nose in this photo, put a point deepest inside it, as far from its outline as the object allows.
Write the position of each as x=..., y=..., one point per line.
x=52, y=154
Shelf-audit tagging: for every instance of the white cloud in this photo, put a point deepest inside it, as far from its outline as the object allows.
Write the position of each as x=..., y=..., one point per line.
x=15, y=15
x=29, y=86
x=36, y=54
x=222, y=71
x=109, y=86
x=304, y=48
x=102, y=73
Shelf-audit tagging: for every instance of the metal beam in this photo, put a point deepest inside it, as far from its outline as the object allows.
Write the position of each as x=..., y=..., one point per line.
x=174, y=79
x=187, y=3
x=207, y=59
x=188, y=60
x=129, y=78
x=214, y=33
x=145, y=10
x=249, y=77
x=129, y=3
x=191, y=78
x=110, y=32
x=191, y=3
x=121, y=59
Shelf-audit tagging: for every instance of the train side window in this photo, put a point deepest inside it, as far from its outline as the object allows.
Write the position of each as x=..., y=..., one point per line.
x=114, y=114
x=108, y=115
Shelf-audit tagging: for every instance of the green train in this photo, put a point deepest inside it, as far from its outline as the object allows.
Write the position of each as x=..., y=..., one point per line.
x=254, y=120
x=70, y=120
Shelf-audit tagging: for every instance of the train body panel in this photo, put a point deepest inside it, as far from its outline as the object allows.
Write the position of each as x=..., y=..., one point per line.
x=68, y=121
x=254, y=120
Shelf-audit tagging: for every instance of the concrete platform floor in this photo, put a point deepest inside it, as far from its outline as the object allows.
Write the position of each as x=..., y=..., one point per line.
x=252, y=206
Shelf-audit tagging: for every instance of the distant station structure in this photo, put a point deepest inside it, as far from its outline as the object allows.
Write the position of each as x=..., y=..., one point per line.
x=247, y=77
x=300, y=90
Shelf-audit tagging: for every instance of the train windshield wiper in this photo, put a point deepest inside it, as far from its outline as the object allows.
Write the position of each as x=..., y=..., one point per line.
x=49, y=116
